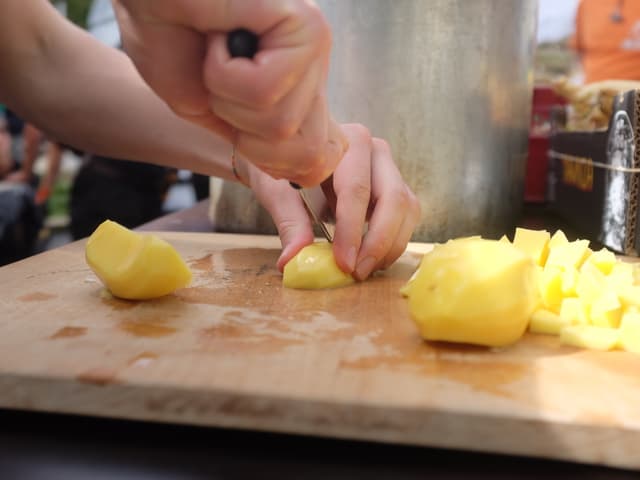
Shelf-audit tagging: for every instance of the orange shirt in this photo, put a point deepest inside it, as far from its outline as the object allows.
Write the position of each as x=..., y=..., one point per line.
x=609, y=49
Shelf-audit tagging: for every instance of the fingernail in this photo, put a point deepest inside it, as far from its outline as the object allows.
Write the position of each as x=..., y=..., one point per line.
x=351, y=259
x=365, y=267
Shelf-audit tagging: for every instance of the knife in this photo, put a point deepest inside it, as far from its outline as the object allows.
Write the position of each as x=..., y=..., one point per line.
x=244, y=43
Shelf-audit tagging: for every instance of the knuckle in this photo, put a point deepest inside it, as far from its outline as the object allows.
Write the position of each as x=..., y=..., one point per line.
x=400, y=197
x=380, y=247
x=382, y=145
x=360, y=131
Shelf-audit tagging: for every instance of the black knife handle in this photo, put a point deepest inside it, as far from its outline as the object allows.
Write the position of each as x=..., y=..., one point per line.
x=242, y=43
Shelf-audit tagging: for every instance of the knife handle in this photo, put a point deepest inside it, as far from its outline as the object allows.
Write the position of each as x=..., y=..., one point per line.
x=242, y=43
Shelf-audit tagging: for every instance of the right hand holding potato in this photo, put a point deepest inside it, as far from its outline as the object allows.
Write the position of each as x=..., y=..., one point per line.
x=273, y=106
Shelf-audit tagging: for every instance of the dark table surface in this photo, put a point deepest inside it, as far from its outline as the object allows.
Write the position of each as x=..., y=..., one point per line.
x=61, y=447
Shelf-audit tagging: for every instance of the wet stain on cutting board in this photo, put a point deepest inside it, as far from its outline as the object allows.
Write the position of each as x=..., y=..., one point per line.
x=37, y=297
x=479, y=368
x=144, y=359
x=619, y=363
x=116, y=303
x=69, y=332
x=146, y=329
x=203, y=264
x=100, y=376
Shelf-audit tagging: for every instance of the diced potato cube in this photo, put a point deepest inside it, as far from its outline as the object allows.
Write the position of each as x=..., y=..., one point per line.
x=604, y=260
x=636, y=273
x=621, y=274
x=571, y=254
x=574, y=311
x=534, y=243
x=550, y=282
x=547, y=322
x=587, y=336
x=569, y=282
x=606, y=310
x=558, y=238
x=504, y=239
x=591, y=282
x=629, y=339
x=630, y=315
x=629, y=295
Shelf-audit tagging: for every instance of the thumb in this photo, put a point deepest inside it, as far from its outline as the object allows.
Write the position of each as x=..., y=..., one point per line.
x=288, y=213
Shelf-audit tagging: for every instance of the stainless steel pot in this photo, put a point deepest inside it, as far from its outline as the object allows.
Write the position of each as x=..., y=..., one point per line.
x=448, y=83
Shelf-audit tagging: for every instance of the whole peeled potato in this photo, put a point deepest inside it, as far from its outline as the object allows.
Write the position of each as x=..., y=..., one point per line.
x=474, y=291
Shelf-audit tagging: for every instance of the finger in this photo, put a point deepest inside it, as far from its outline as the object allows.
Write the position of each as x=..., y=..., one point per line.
x=295, y=160
x=172, y=66
x=405, y=232
x=262, y=81
x=391, y=201
x=276, y=123
x=352, y=186
x=288, y=213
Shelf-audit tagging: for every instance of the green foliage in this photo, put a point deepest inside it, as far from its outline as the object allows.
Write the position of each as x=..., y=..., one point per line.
x=77, y=11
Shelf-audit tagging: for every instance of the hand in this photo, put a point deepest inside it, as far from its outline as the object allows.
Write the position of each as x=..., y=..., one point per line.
x=366, y=186
x=275, y=102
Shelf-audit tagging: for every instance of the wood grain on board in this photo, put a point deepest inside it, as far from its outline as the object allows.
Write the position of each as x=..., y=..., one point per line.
x=237, y=350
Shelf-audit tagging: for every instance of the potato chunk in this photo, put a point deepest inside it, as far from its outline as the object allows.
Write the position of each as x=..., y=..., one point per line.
x=314, y=267
x=474, y=291
x=135, y=266
x=535, y=243
x=547, y=322
x=587, y=336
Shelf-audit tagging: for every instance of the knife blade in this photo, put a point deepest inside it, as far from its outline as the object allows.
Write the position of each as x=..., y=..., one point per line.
x=244, y=43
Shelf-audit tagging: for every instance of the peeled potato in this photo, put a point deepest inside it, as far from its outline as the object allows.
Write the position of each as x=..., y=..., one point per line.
x=474, y=291
x=314, y=267
x=135, y=266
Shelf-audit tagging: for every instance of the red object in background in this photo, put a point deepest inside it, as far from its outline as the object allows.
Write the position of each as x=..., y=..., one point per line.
x=544, y=101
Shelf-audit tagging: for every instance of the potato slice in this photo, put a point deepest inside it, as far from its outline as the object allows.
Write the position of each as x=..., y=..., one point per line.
x=474, y=291
x=135, y=266
x=314, y=267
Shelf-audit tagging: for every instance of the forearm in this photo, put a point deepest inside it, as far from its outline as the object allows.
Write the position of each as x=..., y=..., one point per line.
x=90, y=96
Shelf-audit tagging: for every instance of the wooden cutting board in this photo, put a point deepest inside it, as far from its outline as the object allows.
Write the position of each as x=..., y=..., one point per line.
x=237, y=350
